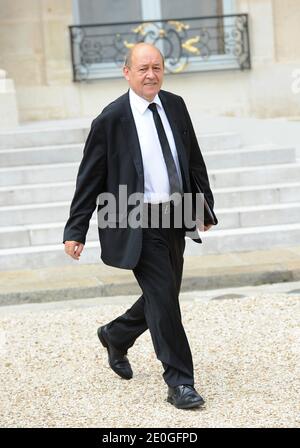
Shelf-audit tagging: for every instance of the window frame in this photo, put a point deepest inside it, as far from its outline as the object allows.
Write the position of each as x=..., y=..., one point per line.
x=152, y=11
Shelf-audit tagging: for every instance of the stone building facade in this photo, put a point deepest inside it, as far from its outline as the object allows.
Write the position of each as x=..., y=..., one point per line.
x=35, y=59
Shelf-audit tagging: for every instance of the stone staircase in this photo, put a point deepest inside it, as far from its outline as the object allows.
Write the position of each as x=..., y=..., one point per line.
x=256, y=188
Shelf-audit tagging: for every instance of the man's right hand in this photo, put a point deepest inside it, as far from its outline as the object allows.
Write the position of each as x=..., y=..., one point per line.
x=74, y=249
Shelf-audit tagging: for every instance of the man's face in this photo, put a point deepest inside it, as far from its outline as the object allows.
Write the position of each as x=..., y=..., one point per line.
x=145, y=76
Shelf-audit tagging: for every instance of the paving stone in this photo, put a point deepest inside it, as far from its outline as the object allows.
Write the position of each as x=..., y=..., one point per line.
x=229, y=297
x=294, y=291
x=55, y=373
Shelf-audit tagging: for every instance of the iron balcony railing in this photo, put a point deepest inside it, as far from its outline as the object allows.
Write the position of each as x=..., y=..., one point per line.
x=189, y=45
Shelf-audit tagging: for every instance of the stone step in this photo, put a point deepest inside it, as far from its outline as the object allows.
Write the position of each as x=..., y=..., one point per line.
x=215, y=241
x=224, y=197
x=246, y=156
x=256, y=195
x=32, y=174
x=34, y=213
x=241, y=176
x=36, y=234
x=245, y=239
x=40, y=225
x=218, y=141
x=28, y=138
x=36, y=137
x=41, y=155
x=262, y=215
x=257, y=175
x=36, y=193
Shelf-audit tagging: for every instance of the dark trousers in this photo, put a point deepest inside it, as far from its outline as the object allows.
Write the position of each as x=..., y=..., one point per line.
x=159, y=274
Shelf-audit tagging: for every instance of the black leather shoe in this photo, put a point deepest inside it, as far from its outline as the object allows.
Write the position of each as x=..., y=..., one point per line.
x=184, y=396
x=117, y=359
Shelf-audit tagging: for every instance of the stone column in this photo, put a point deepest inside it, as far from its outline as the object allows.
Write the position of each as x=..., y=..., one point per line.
x=8, y=103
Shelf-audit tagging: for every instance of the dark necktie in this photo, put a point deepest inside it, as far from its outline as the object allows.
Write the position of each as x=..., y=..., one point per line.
x=166, y=150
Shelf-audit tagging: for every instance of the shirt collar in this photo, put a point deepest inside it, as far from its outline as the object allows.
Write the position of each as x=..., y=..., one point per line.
x=140, y=104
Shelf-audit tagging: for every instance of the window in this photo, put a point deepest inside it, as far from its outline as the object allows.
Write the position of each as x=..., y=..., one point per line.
x=111, y=11
x=202, y=37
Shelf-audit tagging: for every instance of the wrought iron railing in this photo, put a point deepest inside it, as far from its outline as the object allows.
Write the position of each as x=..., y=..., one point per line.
x=194, y=44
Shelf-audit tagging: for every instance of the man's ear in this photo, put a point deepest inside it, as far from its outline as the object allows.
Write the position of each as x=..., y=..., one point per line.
x=125, y=72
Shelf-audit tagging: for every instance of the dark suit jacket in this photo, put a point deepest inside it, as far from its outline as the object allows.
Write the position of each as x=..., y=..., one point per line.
x=111, y=157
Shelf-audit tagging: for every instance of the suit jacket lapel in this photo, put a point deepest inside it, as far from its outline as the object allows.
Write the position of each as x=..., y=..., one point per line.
x=131, y=135
x=174, y=124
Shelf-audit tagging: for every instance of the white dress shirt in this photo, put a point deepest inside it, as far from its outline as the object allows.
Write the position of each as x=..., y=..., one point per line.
x=156, y=180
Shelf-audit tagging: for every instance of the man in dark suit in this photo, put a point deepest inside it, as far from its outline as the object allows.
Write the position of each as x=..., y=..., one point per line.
x=143, y=140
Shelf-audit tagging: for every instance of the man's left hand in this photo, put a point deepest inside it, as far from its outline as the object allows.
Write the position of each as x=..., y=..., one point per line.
x=203, y=227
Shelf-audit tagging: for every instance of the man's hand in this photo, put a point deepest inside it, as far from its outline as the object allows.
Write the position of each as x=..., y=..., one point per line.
x=203, y=228
x=74, y=249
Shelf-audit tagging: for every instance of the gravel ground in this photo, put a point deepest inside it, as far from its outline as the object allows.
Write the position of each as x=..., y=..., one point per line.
x=54, y=372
